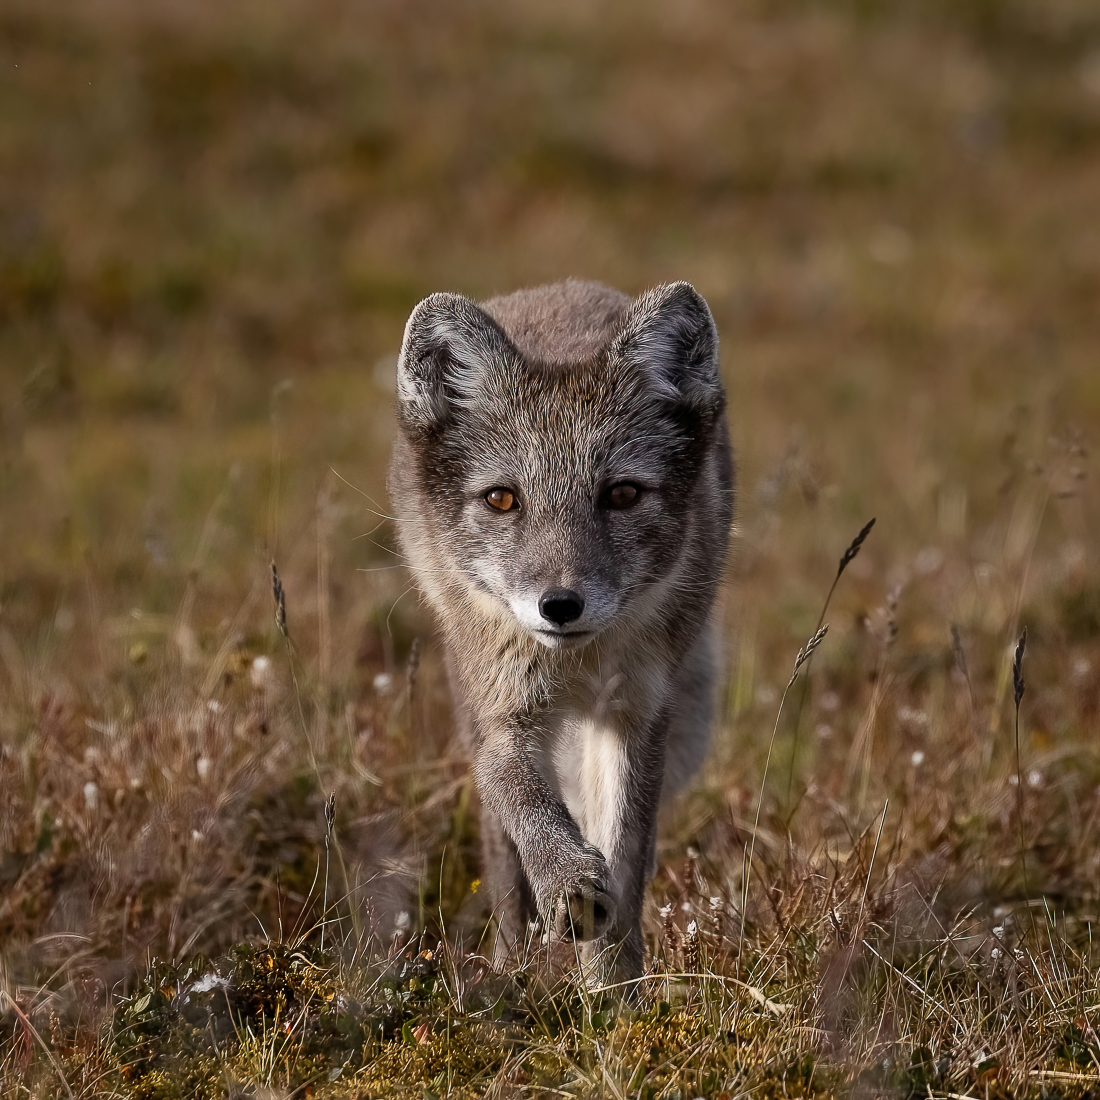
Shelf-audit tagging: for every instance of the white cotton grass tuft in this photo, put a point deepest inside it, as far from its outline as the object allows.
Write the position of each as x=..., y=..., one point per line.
x=260, y=673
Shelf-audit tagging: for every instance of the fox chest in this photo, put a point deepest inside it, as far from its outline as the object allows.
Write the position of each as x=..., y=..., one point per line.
x=588, y=767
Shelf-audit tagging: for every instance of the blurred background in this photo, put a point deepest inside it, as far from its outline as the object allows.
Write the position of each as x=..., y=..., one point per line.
x=214, y=220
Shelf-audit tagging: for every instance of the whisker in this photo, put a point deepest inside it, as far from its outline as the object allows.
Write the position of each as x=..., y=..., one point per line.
x=366, y=534
x=366, y=496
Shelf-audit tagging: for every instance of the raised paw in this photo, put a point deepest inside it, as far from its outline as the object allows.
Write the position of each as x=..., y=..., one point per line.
x=582, y=908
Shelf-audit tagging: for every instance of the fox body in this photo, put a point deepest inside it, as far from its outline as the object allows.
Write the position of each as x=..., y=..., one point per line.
x=563, y=484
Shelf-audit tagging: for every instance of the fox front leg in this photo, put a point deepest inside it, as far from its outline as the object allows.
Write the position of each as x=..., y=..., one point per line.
x=632, y=856
x=569, y=878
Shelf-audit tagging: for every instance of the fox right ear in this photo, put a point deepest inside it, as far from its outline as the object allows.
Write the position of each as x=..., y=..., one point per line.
x=670, y=338
x=449, y=347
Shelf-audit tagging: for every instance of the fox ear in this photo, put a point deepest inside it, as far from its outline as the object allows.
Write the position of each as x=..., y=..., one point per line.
x=450, y=344
x=670, y=337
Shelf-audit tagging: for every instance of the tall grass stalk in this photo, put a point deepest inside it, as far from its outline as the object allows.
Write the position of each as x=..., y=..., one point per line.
x=278, y=593
x=1018, y=687
x=846, y=559
x=804, y=654
x=330, y=825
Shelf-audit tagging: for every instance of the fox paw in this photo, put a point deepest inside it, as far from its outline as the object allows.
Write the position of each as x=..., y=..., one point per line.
x=583, y=909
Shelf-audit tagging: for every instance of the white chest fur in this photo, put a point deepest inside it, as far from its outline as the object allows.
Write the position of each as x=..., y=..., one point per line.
x=588, y=759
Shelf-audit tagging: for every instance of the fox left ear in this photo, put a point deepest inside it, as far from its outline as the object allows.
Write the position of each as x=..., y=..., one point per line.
x=450, y=347
x=670, y=336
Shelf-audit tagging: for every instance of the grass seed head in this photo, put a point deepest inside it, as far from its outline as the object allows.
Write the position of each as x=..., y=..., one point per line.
x=853, y=549
x=807, y=650
x=280, y=601
x=412, y=666
x=1018, y=668
x=670, y=933
x=691, y=948
x=957, y=651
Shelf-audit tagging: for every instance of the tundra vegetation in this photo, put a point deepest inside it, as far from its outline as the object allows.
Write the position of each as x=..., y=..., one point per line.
x=237, y=854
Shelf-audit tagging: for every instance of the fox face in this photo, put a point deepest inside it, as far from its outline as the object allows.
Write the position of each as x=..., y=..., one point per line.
x=560, y=494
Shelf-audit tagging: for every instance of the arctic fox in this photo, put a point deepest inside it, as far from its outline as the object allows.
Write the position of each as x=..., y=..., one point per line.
x=563, y=486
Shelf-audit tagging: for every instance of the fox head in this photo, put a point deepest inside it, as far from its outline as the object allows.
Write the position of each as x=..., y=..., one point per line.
x=560, y=477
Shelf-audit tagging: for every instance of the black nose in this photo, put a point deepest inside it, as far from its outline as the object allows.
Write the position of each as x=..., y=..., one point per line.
x=561, y=605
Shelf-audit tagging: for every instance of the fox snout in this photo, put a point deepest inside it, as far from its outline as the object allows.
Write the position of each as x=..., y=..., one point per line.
x=561, y=605
x=561, y=617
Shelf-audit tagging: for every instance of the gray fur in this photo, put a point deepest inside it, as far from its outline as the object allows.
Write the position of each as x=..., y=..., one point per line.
x=575, y=730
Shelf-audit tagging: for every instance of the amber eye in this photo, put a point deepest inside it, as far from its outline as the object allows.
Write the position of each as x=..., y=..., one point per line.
x=504, y=500
x=622, y=496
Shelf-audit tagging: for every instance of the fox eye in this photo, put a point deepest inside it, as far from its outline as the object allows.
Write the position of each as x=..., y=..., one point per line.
x=622, y=495
x=503, y=500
